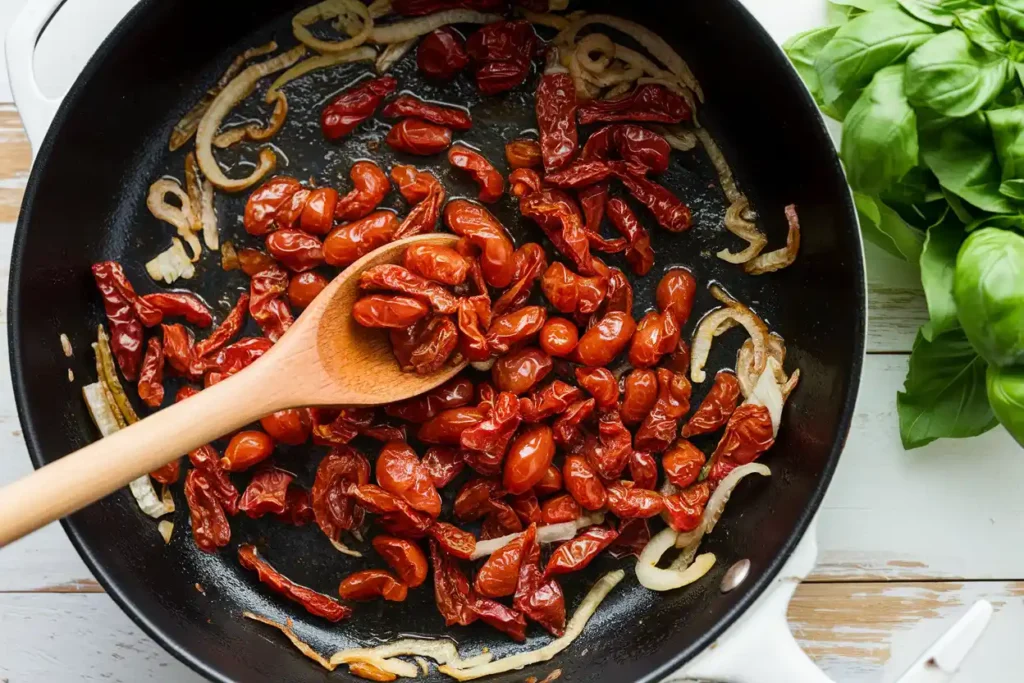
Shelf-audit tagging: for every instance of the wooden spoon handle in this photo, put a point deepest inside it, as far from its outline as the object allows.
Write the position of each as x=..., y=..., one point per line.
x=90, y=473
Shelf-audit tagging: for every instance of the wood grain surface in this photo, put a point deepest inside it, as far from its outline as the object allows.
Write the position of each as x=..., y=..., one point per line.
x=907, y=540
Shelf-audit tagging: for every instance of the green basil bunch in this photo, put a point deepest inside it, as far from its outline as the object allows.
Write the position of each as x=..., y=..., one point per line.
x=931, y=97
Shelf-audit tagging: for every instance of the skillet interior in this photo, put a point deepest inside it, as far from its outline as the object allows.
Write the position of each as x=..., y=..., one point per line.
x=85, y=202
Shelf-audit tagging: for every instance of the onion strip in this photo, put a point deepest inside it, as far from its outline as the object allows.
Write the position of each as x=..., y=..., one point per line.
x=400, y=31
x=547, y=534
x=655, y=578
x=651, y=42
x=716, y=505
x=286, y=629
x=331, y=9
x=709, y=325
x=208, y=217
x=379, y=8
x=166, y=529
x=441, y=651
x=679, y=138
x=235, y=92
x=780, y=258
x=363, y=53
x=392, y=54
x=725, y=176
x=737, y=225
x=171, y=263
x=344, y=549
x=543, y=19
x=186, y=127
x=182, y=218
x=573, y=629
x=194, y=190
x=599, y=43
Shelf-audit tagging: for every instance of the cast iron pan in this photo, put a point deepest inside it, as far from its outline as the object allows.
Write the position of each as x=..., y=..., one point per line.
x=86, y=202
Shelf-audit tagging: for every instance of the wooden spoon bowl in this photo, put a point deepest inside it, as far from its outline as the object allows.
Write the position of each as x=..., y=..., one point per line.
x=325, y=358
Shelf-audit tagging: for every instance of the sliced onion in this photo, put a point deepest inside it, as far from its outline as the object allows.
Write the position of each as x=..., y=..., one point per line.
x=585, y=91
x=332, y=9
x=166, y=529
x=544, y=19
x=194, y=190
x=679, y=138
x=106, y=369
x=716, y=503
x=441, y=651
x=344, y=549
x=547, y=534
x=228, y=256
x=640, y=61
x=145, y=496
x=725, y=176
x=182, y=218
x=400, y=31
x=710, y=323
x=167, y=498
x=599, y=43
x=651, y=42
x=393, y=53
x=379, y=8
x=768, y=393
x=422, y=664
x=735, y=223
x=186, y=127
x=780, y=258
x=573, y=629
x=171, y=264
x=776, y=348
x=613, y=77
x=655, y=578
x=363, y=53
x=617, y=91
x=208, y=217
x=483, y=365
x=237, y=90
x=286, y=629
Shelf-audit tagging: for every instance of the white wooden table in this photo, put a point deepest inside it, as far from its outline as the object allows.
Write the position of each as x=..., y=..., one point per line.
x=908, y=540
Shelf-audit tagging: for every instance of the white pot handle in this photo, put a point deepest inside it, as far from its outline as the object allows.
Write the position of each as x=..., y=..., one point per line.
x=760, y=648
x=35, y=107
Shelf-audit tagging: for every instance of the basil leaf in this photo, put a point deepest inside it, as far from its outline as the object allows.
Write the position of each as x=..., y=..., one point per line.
x=1003, y=222
x=866, y=44
x=884, y=227
x=1007, y=126
x=866, y=5
x=1011, y=17
x=937, y=12
x=944, y=395
x=953, y=76
x=802, y=49
x=981, y=25
x=938, y=262
x=918, y=186
x=1014, y=189
x=960, y=154
x=879, y=142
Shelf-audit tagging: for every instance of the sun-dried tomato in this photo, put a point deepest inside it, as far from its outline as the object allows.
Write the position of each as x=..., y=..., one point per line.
x=151, y=377
x=179, y=348
x=501, y=54
x=670, y=212
x=611, y=455
x=656, y=334
x=634, y=534
x=568, y=428
x=539, y=599
x=266, y=202
x=297, y=508
x=334, y=508
x=609, y=337
x=620, y=293
x=560, y=219
x=572, y=293
x=290, y=427
x=717, y=406
x=206, y=460
x=493, y=434
x=675, y=293
x=601, y=384
x=305, y=287
x=521, y=371
x=527, y=507
x=267, y=492
x=530, y=262
x=661, y=425
x=441, y=54
x=523, y=154
x=643, y=469
x=369, y=187
x=593, y=199
x=509, y=621
x=559, y=509
x=748, y=434
x=473, y=499
x=415, y=136
x=234, y=358
x=627, y=501
x=372, y=583
x=528, y=458
x=175, y=304
x=684, y=510
x=548, y=401
x=485, y=233
x=125, y=325
x=446, y=427
x=346, y=111
x=296, y=250
x=266, y=302
x=400, y=472
x=490, y=181
x=682, y=462
x=436, y=262
x=648, y=102
x=167, y=474
x=395, y=515
x=502, y=520
x=453, y=540
x=639, y=254
x=582, y=482
x=556, y=119
x=452, y=592
x=454, y=393
x=443, y=464
x=399, y=279
x=425, y=347
x=348, y=243
x=315, y=603
x=405, y=557
x=498, y=576
x=524, y=181
x=210, y=527
x=408, y=106
x=514, y=328
x=559, y=337
x=550, y=483
x=579, y=552
x=226, y=331
x=388, y=310
x=246, y=449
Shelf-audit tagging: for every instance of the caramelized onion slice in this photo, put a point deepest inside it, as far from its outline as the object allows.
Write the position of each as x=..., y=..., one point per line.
x=595, y=43
x=235, y=92
x=171, y=263
x=393, y=53
x=744, y=229
x=654, y=578
x=359, y=54
x=344, y=11
x=286, y=629
x=181, y=217
x=548, y=19
x=441, y=651
x=679, y=138
x=573, y=629
x=709, y=325
x=400, y=31
x=780, y=258
x=547, y=534
x=716, y=506
x=725, y=176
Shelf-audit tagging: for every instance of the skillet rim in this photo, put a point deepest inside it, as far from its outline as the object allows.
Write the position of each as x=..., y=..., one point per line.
x=752, y=591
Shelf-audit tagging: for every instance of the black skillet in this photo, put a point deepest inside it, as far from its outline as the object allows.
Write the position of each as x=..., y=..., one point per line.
x=85, y=202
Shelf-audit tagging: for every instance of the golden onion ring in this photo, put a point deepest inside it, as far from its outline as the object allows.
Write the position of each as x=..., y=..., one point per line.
x=735, y=223
x=780, y=258
x=332, y=9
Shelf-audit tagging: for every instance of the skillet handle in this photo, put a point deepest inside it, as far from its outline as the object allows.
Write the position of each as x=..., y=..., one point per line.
x=89, y=22
x=760, y=648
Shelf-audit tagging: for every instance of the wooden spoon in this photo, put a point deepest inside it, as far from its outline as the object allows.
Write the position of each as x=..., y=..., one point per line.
x=325, y=358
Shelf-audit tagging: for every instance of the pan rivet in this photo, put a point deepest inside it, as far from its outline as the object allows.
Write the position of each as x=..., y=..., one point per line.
x=735, y=575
